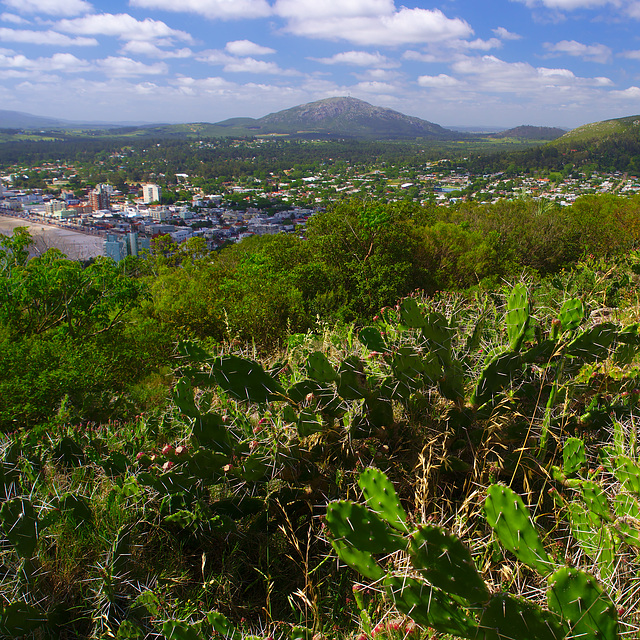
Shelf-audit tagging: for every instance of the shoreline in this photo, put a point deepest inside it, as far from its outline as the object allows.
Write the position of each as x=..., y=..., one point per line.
x=76, y=245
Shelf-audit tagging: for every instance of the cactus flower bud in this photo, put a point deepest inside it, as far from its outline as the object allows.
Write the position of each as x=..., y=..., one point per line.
x=167, y=450
x=167, y=465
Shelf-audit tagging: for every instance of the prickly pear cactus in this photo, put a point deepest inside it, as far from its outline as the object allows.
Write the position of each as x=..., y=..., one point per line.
x=447, y=564
x=382, y=499
x=582, y=603
x=518, y=316
x=361, y=528
x=510, y=618
x=430, y=606
x=573, y=456
x=510, y=519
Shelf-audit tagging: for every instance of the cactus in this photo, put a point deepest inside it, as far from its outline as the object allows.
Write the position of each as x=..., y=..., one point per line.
x=382, y=499
x=19, y=522
x=497, y=374
x=581, y=602
x=411, y=315
x=370, y=337
x=593, y=344
x=518, y=316
x=627, y=472
x=362, y=561
x=19, y=618
x=351, y=381
x=319, y=368
x=210, y=431
x=571, y=314
x=447, y=564
x=430, y=607
x=573, y=456
x=510, y=618
x=361, y=528
x=222, y=626
x=596, y=499
x=509, y=518
x=308, y=423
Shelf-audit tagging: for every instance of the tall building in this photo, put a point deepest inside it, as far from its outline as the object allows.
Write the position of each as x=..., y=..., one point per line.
x=151, y=193
x=99, y=199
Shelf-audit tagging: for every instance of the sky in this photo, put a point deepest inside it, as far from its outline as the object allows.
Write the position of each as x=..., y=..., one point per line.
x=499, y=63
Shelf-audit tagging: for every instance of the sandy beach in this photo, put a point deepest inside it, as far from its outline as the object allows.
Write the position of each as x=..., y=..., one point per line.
x=74, y=244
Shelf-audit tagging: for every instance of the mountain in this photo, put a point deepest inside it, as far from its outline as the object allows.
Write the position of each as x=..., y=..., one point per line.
x=527, y=132
x=341, y=117
x=19, y=120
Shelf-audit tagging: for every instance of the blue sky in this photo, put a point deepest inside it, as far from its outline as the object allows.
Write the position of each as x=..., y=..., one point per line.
x=454, y=62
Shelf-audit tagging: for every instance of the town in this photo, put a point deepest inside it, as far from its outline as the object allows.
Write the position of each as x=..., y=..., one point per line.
x=130, y=214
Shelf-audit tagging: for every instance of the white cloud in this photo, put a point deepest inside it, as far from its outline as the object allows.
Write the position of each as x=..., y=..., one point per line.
x=44, y=37
x=50, y=7
x=359, y=59
x=234, y=64
x=421, y=57
x=438, y=82
x=566, y=5
x=632, y=55
x=65, y=62
x=479, y=44
x=221, y=9
x=504, y=34
x=374, y=86
x=251, y=65
x=140, y=47
x=247, y=48
x=490, y=74
x=365, y=23
x=593, y=53
x=120, y=67
x=13, y=18
x=632, y=93
x=122, y=26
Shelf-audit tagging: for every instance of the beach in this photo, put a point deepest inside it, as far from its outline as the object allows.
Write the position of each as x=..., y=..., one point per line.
x=74, y=244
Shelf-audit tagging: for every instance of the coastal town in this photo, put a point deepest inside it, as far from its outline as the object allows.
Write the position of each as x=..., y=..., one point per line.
x=128, y=216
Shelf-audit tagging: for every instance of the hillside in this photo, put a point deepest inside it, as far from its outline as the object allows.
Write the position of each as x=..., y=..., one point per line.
x=349, y=117
x=528, y=132
x=596, y=132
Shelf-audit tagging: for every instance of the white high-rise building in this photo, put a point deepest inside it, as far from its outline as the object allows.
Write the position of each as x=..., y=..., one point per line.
x=151, y=193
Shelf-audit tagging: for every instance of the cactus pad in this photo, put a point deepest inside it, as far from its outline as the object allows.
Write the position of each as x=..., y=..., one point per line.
x=361, y=561
x=517, y=318
x=430, y=607
x=361, y=528
x=573, y=456
x=370, y=337
x=628, y=473
x=411, y=315
x=580, y=601
x=596, y=499
x=447, y=564
x=509, y=518
x=571, y=314
x=19, y=522
x=381, y=498
x=510, y=618
x=319, y=368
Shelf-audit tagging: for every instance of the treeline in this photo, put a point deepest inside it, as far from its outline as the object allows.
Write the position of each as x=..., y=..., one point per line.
x=359, y=256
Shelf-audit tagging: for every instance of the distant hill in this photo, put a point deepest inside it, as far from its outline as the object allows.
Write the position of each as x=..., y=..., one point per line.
x=343, y=117
x=527, y=132
x=19, y=120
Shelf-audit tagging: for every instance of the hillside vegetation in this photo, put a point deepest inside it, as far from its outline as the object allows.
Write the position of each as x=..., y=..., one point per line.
x=296, y=438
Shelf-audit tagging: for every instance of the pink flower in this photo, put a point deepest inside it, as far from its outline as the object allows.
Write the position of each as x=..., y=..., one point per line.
x=167, y=450
x=167, y=465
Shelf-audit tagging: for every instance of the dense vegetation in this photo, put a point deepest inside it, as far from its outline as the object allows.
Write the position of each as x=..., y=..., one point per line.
x=175, y=427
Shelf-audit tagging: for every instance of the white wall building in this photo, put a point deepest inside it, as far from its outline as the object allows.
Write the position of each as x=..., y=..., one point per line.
x=151, y=193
